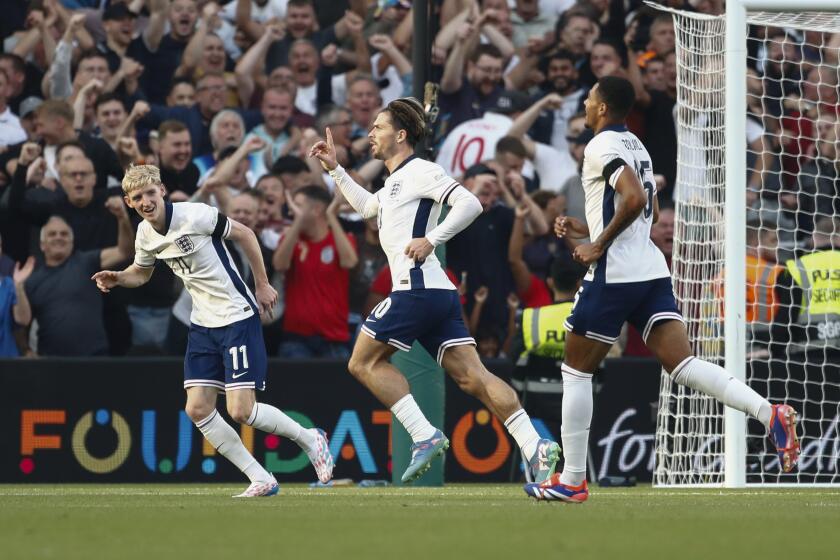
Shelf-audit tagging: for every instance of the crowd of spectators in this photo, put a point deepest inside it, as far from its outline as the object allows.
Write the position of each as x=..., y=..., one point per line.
x=240, y=91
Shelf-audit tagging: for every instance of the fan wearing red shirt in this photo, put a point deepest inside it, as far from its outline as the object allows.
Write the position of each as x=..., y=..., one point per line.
x=316, y=255
x=531, y=290
x=381, y=287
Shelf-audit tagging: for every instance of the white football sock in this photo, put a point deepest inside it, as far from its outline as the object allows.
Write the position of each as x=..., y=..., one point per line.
x=519, y=426
x=227, y=442
x=274, y=421
x=713, y=380
x=412, y=419
x=577, y=416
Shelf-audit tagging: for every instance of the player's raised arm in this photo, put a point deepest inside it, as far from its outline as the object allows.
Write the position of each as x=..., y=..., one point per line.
x=359, y=198
x=632, y=203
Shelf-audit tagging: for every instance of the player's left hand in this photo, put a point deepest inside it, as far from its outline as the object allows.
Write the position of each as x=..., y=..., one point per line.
x=588, y=253
x=419, y=249
x=266, y=299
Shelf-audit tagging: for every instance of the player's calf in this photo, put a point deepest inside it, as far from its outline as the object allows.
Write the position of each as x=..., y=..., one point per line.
x=669, y=341
x=313, y=441
x=780, y=420
x=370, y=366
x=465, y=368
x=472, y=382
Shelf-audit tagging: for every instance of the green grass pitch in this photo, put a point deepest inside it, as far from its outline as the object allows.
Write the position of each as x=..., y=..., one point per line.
x=185, y=522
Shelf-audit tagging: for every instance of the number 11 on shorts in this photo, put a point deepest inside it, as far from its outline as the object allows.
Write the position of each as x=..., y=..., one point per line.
x=234, y=354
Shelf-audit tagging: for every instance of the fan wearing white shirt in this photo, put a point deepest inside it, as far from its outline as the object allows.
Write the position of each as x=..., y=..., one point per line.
x=11, y=131
x=262, y=11
x=554, y=166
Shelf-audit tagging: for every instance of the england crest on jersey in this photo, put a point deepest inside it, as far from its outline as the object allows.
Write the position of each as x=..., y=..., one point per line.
x=185, y=244
x=396, y=187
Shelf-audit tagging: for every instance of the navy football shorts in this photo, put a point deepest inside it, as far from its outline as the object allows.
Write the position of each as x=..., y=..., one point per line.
x=228, y=358
x=601, y=309
x=431, y=316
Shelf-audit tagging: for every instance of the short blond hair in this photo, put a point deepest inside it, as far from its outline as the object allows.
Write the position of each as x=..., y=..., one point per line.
x=139, y=176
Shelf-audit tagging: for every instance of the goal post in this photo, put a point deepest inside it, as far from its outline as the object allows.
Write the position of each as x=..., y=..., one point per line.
x=699, y=442
x=735, y=282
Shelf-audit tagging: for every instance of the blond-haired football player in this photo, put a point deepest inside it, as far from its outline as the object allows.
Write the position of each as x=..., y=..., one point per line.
x=225, y=349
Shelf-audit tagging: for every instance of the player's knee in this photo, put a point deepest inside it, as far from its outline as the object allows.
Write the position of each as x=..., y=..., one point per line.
x=198, y=411
x=239, y=412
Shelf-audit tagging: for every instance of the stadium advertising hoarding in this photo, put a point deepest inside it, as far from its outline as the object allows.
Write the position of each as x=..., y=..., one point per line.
x=122, y=421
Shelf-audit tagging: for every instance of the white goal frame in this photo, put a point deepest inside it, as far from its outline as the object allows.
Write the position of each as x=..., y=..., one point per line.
x=735, y=282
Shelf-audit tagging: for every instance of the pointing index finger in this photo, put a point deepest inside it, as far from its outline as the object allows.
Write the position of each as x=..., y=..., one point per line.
x=330, y=146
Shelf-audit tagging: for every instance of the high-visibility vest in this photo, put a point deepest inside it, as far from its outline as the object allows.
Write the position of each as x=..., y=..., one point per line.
x=761, y=301
x=543, y=330
x=818, y=275
x=762, y=305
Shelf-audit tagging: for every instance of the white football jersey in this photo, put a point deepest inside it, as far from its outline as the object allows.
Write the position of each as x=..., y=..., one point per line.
x=475, y=141
x=409, y=207
x=561, y=118
x=193, y=247
x=632, y=256
x=272, y=9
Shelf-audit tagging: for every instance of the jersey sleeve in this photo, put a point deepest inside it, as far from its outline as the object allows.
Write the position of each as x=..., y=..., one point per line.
x=207, y=220
x=610, y=156
x=143, y=257
x=436, y=184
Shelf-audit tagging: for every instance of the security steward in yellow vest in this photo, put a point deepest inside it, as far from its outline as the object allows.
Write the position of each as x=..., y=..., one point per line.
x=809, y=294
x=540, y=343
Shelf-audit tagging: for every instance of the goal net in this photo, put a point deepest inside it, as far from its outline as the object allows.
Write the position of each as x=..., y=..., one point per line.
x=791, y=201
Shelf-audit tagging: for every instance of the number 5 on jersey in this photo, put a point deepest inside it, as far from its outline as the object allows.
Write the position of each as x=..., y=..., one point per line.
x=645, y=173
